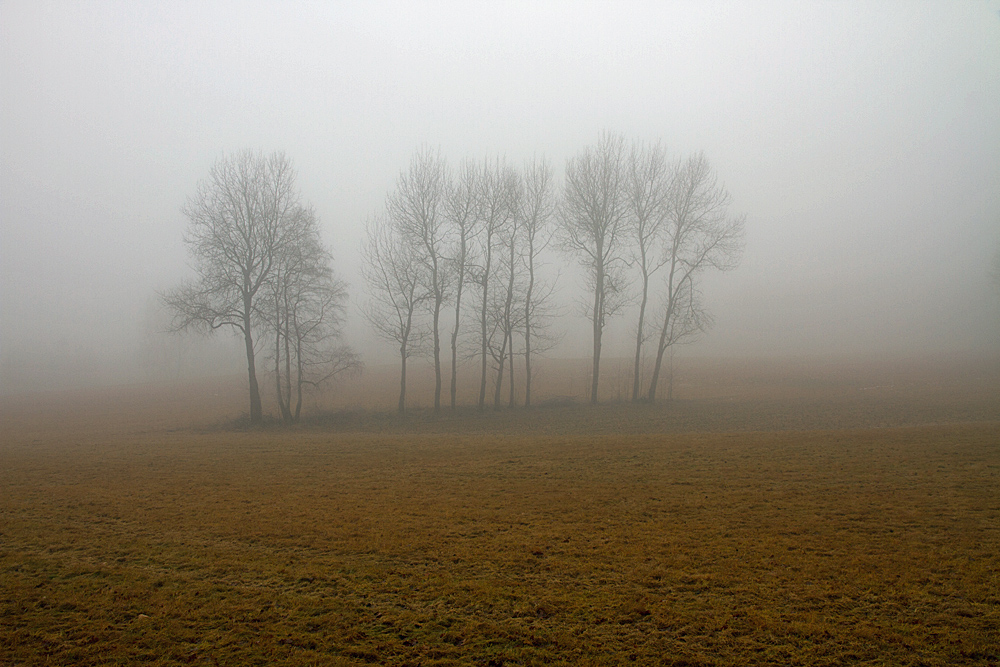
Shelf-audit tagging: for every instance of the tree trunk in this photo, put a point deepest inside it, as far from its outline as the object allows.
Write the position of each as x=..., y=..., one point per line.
x=437, y=352
x=598, y=330
x=651, y=396
x=402, y=379
x=286, y=408
x=667, y=317
x=527, y=328
x=508, y=315
x=527, y=373
x=496, y=393
x=510, y=380
x=638, y=335
x=482, y=377
x=298, y=376
x=256, y=411
x=660, y=349
x=454, y=342
x=277, y=359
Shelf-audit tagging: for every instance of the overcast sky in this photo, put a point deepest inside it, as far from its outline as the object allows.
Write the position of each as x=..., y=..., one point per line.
x=861, y=140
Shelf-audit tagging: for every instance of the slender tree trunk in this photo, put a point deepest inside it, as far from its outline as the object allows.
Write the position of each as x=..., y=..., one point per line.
x=437, y=351
x=482, y=375
x=277, y=369
x=527, y=328
x=286, y=408
x=510, y=380
x=298, y=376
x=662, y=345
x=454, y=336
x=256, y=410
x=277, y=355
x=638, y=336
x=496, y=393
x=598, y=331
x=508, y=322
x=484, y=351
x=402, y=379
x=651, y=396
x=660, y=349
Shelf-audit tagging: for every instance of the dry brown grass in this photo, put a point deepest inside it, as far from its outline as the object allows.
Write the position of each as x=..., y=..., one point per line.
x=773, y=535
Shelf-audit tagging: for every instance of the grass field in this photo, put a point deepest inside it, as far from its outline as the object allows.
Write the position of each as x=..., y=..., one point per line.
x=802, y=514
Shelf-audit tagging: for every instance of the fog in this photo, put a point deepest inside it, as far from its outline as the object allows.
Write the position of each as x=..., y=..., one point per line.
x=862, y=141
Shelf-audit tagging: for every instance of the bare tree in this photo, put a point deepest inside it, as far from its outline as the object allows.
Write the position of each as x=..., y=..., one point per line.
x=496, y=208
x=392, y=271
x=288, y=277
x=414, y=208
x=538, y=207
x=647, y=187
x=462, y=216
x=308, y=308
x=241, y=220
x=592, y=224
x=700, y=234
x=506, y=313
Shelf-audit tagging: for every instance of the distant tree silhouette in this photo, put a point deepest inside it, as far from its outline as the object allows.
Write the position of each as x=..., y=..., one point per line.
x=538, y=207
x=307, y=309
x=416, y=209
x=505, y=315
x=592, y=226
x=242, y=219
x=392, y=271
x=496, y=210
x=461, y=214
x=699, y=234
x=647, y=188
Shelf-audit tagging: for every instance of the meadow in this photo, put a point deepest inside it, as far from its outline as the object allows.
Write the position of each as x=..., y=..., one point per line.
x=793, y=513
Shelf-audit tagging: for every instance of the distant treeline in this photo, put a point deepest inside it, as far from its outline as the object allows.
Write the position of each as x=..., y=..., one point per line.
x=457, y=253
x=464, y=245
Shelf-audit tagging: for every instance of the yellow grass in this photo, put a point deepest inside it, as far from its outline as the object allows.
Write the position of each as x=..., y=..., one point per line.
x=652, y=534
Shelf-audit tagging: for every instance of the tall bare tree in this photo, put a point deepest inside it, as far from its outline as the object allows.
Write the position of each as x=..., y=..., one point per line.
x=592, y=225
x=308, y=307
x=506, y=313
x=700, y=234
x=538, y=206
x=392, y=271
x=241, y=219
x=416, y=209
x=646, y=189
x=461, y=214
x=496, y=209
x=289, y=277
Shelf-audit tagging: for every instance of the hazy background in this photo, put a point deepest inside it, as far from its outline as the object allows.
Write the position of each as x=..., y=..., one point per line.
x=862, y=140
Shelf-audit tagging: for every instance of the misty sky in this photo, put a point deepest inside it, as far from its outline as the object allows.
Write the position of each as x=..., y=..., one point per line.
x=861, y=140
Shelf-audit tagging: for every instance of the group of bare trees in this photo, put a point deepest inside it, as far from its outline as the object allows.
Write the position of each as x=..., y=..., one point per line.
x=629, y=214
x=632, y=216
x=447, y=238
x=459, y=249
x=263, y=271
x=642, y=226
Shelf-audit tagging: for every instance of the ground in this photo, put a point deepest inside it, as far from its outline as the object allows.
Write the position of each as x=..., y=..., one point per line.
x=775, y=513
